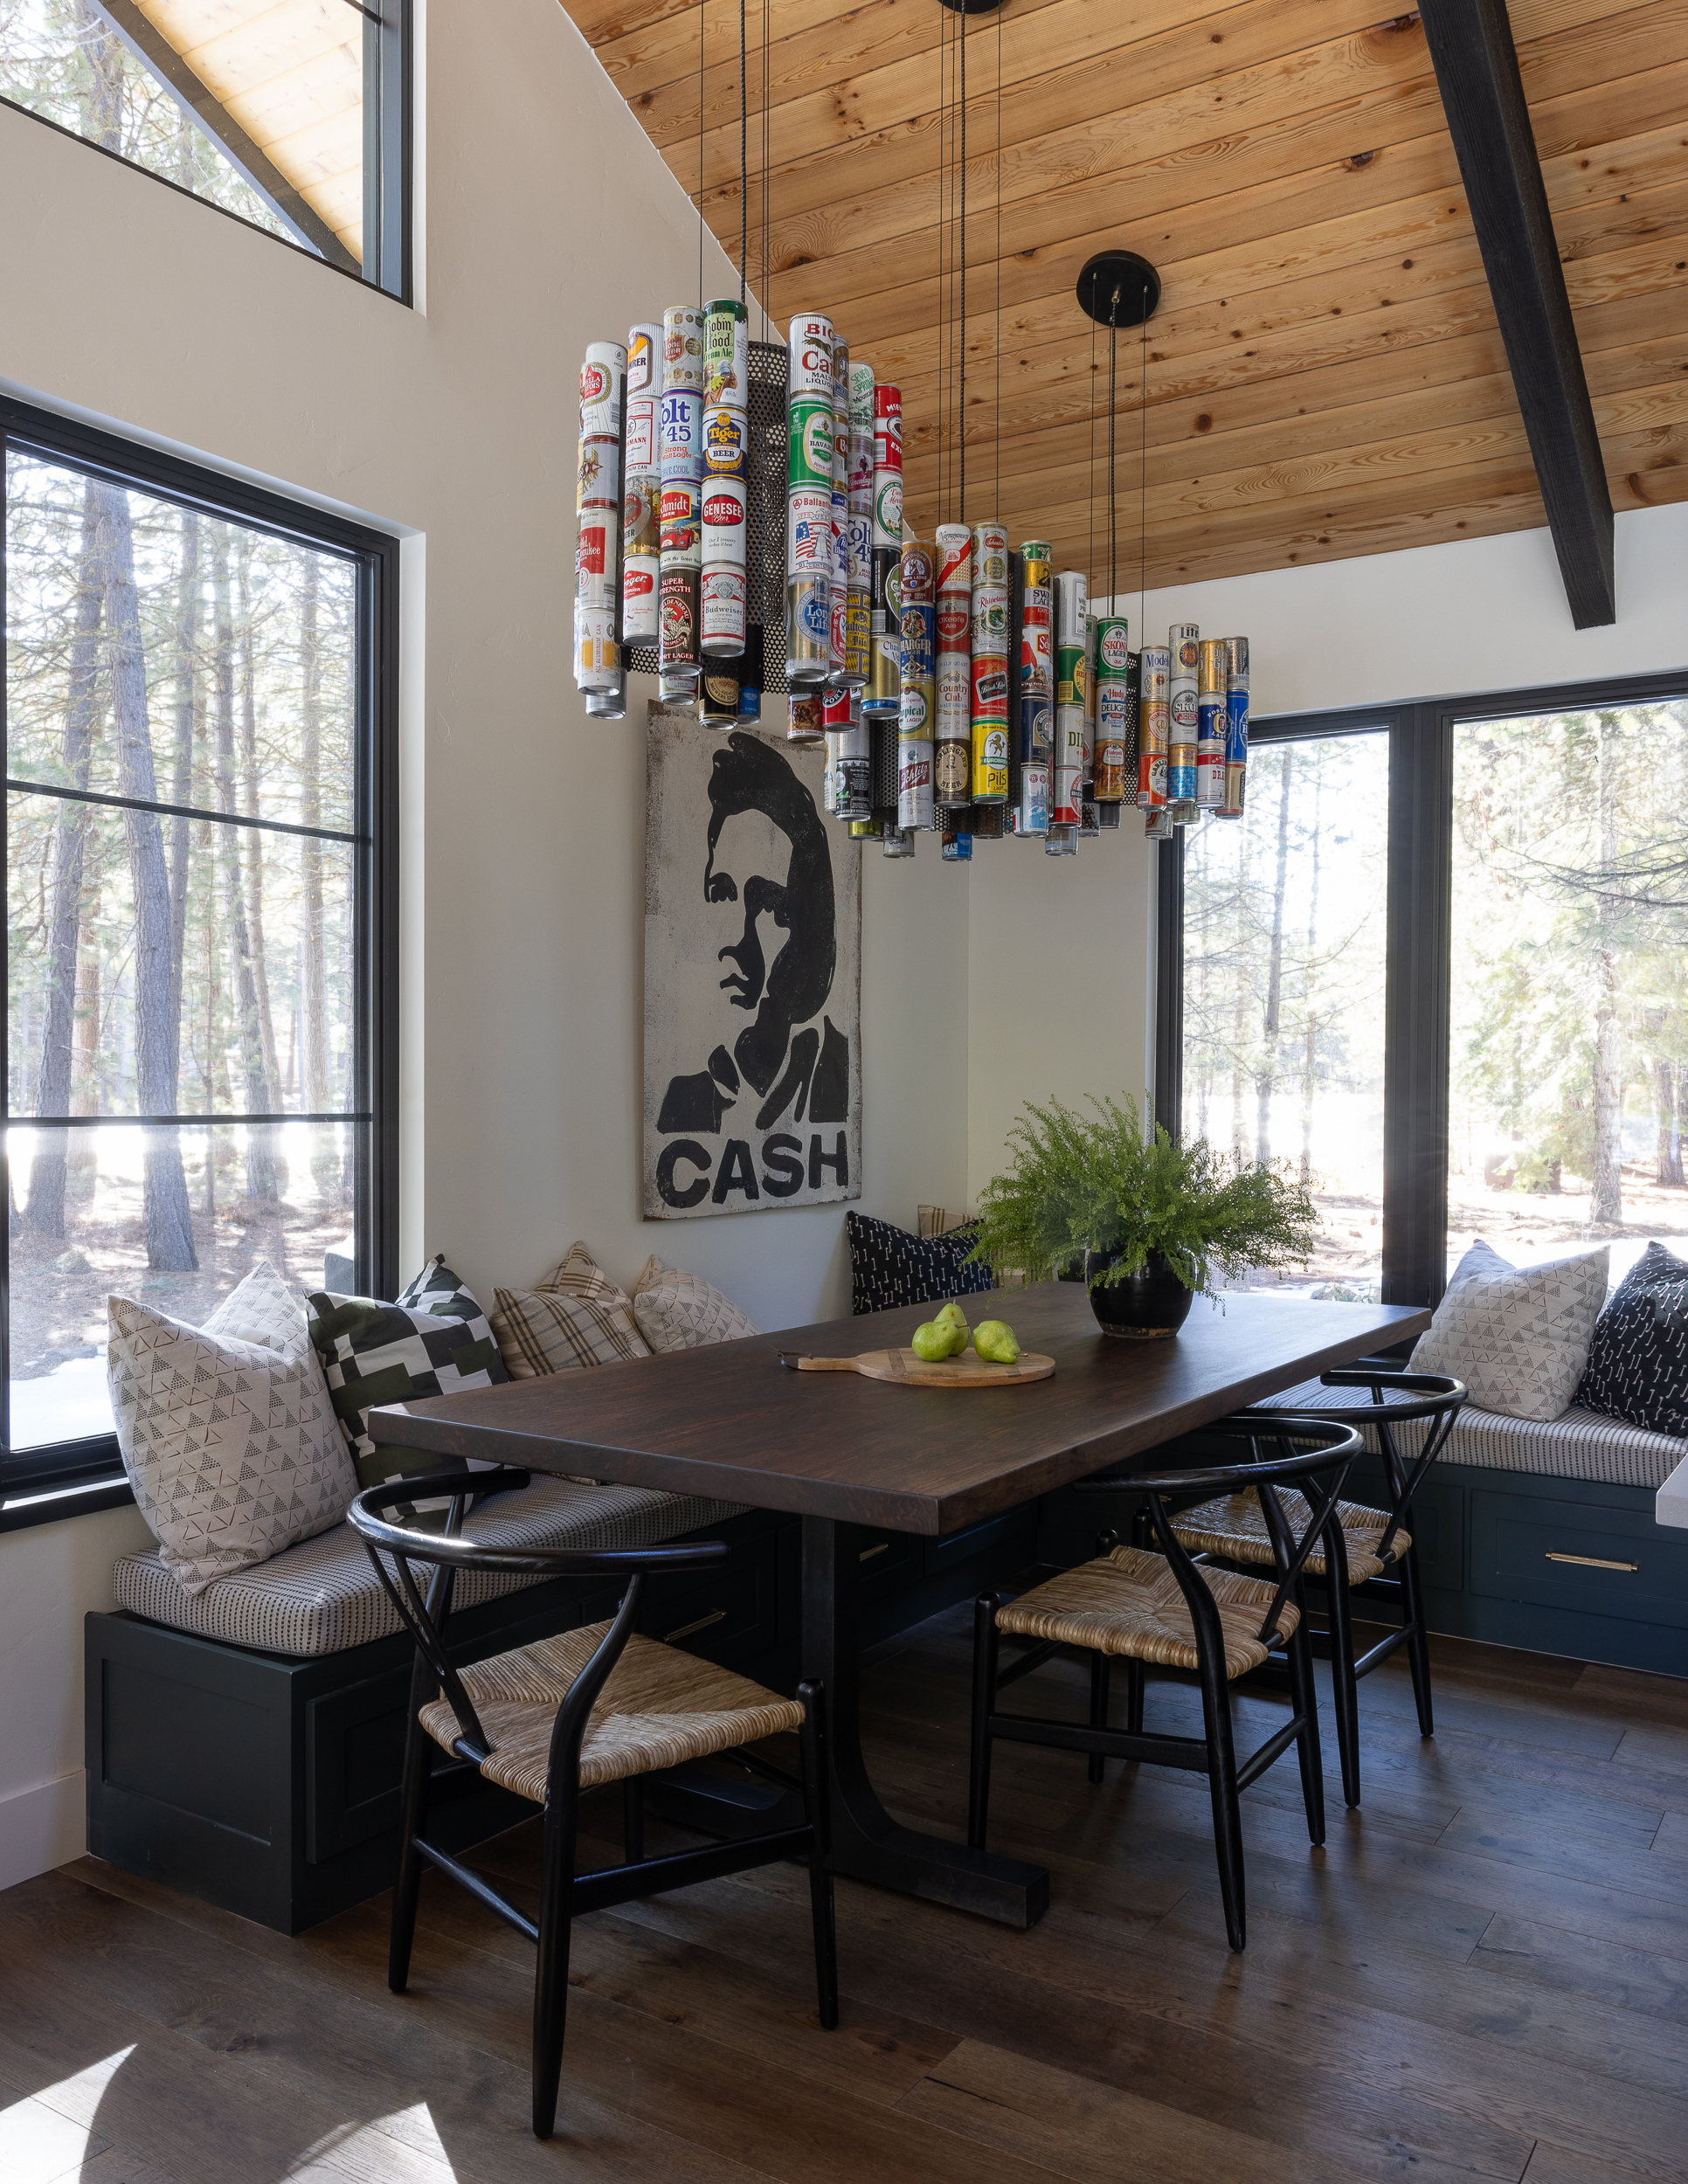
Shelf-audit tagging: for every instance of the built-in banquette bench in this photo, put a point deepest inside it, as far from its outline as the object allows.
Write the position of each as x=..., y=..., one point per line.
x=243, y=1744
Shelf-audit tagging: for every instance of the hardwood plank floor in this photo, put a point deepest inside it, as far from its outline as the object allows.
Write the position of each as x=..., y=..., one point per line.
x=1484, y=1973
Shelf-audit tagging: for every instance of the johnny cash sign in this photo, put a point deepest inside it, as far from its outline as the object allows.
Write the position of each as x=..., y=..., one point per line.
x=752, y=977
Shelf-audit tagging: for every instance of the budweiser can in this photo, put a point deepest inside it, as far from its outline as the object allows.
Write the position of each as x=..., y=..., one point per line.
x=726, y=443
x=726, y=511
x=639, y=577
x=810, y=357
x=677, y=610
x=723, y=610
x=644, y=361
x=682, y=347
x=602, y=381
x=727, y=354
x=680, y=433
x=1236, y=727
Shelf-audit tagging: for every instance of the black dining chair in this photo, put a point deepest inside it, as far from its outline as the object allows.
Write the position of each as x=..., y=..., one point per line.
x=549, y=1720
x=1367, y=1551
x=1166, y=1611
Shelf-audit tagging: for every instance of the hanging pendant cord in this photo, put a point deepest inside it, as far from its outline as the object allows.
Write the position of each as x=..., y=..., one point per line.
x=997, y=337
x=701, y=4
x=1089, y=559
x=961, y=322
x=767, y=278
x=744, y=162
x=1142, y=488
x=1113, y=501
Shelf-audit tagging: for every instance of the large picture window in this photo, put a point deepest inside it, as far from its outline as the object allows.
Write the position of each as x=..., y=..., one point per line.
x=199, y=1027
x=1437, y=968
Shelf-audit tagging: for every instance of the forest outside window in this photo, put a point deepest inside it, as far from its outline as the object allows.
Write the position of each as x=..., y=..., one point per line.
x=196, y=1057
x=293, y=116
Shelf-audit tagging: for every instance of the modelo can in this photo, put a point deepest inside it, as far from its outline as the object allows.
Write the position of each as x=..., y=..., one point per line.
x=724, y=613
x=682, y=347
x=810, y=365
x=726, y=443
x=680, y=434
x=602, y=381
x=677, y=612
x=727, y=354
x=726, y=510
x=680, y=536
x=1213, y=676
x=1237, y=726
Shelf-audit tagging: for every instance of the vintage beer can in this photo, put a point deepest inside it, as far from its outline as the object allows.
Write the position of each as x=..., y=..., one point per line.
x=1158, y=824
x=885, y=633
x=680, y=434
x=643, y=453
x=809, y=445
x=1072, y=612
x=726, y=514
x=1069, y=767
x=1236, y=727
x=852, y=766
x=887, y=467
x=1063, y=840
x=989, y=822
x=639, y=576
x=810, y=357
x=1037, y=729
x=1113, y=645
x=598, y=557
x=682, y=347
x=954, y=560
x=597, y=655
x=840, y=602
x=1036, y=617
x=750, y=675
x=952, y=780
x=988, y=696
x=610, y=704
x=806, y=717
x=915, y=598
x=809, y=532
x=958, y=847
x=899, y=842
x=598, y=474
x=1032, y=812
x=1154, y=724
x=990, y=621
x=808, y=647
x=990, y=762
x=1185, y=645
x=1116, y=739
x=727, y=354
x=680, y=532
x=724, y=613
x=914, y=781
x=717, y=695
x=989, y=555
x=858, y=655
x=603, y=384
x=726, y=443
x=641, y=515
x=1213, y=679
x=861, y=438
x=678, y=610
x=644, y=361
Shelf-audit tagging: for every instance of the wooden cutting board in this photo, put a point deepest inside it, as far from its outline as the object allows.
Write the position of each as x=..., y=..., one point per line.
x=968, y=1370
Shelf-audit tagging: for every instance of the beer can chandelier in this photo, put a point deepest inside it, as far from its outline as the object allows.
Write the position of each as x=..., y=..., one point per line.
x=740, y=535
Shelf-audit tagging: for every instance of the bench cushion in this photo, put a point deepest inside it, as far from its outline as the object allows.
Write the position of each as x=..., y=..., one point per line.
x=323, y=1596
x=1580, y=1445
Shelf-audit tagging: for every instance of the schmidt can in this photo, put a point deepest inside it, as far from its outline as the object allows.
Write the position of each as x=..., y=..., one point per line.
x=727, y=354
x=682, y=347
x=680, y=532
x=810, y=357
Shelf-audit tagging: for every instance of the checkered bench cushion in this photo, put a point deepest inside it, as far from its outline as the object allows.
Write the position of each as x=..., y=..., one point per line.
x=1580, y=1445
x=322, y=1596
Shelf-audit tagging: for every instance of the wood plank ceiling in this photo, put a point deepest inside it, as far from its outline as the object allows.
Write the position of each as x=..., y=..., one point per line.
x=1324, y=374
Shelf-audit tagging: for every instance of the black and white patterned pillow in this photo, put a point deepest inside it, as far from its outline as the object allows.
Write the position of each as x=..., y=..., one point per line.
x=1637, y=1366
x=435, y=1340
x=888, y=1267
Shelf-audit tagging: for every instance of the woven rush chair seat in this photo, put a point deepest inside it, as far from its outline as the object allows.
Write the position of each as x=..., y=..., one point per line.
x=658, y=1709
x=1234, y=1526
x=1128, y=1603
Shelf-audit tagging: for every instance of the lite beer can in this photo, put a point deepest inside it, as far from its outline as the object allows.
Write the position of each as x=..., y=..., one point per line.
x=727, y=354
x=682, y=347
x=724, y=613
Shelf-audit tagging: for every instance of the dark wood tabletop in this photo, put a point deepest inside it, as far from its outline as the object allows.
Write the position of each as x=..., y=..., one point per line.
x=728, y=1420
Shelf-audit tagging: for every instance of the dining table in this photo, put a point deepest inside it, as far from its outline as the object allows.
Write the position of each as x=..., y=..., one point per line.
x=842, y=1452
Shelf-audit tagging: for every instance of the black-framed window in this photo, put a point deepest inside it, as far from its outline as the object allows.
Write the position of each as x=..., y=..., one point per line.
x=1436, y=969
x=198, y=693
x=305, y=134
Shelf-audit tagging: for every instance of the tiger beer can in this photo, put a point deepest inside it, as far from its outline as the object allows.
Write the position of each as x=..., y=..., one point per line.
x=954, y=570
x=810, y=446
x=682, y=347
x=680, y=532
x=726, y=520
x=680, y=433
x=989, y=685
x=990, y=740
x=644, y=361
x=726, y=443
x=1032, y=812
x=727, y=354
x=914, y=781
x=597, y=558
x=810, y=357
x=809, y=639
x=724, y=601
x=603, y=382
x=1210, y=747
x=643, y=453
x=806, y=717
x=639, y=579
x=597, y=472
x=677, y=612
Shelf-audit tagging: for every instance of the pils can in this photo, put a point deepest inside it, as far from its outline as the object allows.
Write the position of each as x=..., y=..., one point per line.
x=811, y=356
x=804, y=722
x=639, y=579
x=643, y=360
x=682, y=347
x=680, y=433
x=678, y=619
x=726, y=510
x=990, y=740
x=726, y=443
x=724, y=610
x=727, y=354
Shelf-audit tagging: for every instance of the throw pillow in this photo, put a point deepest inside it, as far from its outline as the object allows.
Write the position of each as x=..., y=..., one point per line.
x=680, y=1311
x=577, y=1274
x=554, y=1331
x=226, y=1430
x=374, y=1352
x=888, y=1267
x=1517, y=1337
x=1638, y=1360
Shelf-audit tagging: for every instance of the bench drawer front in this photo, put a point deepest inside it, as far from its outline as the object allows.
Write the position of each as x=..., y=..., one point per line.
x=1588, y=1556
x=727, y=1615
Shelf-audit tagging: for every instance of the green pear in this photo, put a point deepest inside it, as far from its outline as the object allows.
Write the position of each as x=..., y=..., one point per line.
x=931, y=1341
x=995, y=1342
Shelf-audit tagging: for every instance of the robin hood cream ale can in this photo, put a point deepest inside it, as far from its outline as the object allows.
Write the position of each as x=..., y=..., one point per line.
x=727, y=354
x=682, y=347
x=1153, y=726
x=1237, y=726
x=1184, y=644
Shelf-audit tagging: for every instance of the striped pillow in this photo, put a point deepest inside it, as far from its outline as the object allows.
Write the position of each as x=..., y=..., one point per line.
x=555, y=1330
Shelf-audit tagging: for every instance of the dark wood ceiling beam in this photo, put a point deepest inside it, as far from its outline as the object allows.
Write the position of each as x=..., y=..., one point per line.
x=1476, y=61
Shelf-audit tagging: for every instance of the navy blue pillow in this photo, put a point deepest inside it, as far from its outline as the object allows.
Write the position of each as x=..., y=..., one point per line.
x=1638, y=1366
x=888, y=1267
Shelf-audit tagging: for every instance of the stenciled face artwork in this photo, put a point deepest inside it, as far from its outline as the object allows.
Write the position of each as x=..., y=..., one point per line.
x=766, y=1117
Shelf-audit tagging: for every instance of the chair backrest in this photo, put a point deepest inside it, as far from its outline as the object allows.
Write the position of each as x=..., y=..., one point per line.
x=1398, y=1399
x=1312, y=1452
x=445, y=1552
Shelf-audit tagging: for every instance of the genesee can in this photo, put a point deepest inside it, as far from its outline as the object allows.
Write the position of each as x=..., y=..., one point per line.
x=639, y=599
x=727, y=354
x=726, y=513
x=682, y=347
x=678, y=619
x=643, y=360
x=810, y=355
x=723, y=606
x=680, y=433
x=726, y=443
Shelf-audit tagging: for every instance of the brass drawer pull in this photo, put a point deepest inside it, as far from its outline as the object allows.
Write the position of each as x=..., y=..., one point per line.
x=867, y=1554
x=689, y=1630
x=1591, y=1562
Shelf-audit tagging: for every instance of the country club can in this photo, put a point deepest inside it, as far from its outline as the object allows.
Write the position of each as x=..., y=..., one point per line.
x=682, y=347
x=727, y=354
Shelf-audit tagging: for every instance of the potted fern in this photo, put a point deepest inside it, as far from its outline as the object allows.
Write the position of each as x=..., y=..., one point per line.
x=1153, y=1219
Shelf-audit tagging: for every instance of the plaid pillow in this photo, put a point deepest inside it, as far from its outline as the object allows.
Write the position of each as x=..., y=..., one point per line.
x=373, y=1353
x=577, y=1274
x=555, y=1330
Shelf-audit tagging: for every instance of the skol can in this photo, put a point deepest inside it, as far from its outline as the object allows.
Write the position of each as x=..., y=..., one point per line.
x=603, y=382
x=1237, y=726
x=1068, y=768
x=1212, y=680
x=643, y=360
x=1183, y=643
x=806, y=720
x=682, y=347
x=724, y=613
x=727, y=354
x=810, y=357
x=678, y=619
x=726, y=443
x=681, y=534
x=726, y=511
x=990, y=762
x=810, y=458
x=680, y=433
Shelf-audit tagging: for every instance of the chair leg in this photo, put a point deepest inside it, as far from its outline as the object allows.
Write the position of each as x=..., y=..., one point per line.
x=1344, y=1687
x=412, y=1817
x=1418, y=1642
x=1099, y=1668
x=633, y=1820
x=985, y=1659
x=820, y=1878
x=1222, y=1783
x=1134, y=1678
x=551, y=1999
x=1303, y=1696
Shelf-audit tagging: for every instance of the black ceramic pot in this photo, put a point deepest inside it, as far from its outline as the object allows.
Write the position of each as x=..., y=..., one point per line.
x=1146, y=1306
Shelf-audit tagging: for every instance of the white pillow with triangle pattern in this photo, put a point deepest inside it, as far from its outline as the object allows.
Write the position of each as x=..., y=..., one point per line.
x=228, y=1435
x=1517, y=1337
